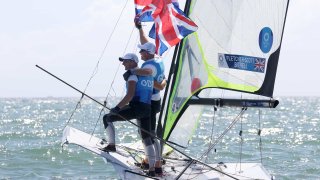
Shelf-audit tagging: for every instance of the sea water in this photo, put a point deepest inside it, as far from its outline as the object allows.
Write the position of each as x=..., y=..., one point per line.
x=31, y=131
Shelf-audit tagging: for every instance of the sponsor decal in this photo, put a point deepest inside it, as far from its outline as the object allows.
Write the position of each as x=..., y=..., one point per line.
x=147, y=83
x=241, y=62
x=254, y=104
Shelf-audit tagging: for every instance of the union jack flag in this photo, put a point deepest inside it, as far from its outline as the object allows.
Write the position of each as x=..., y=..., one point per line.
x=147, y=16
x=139, y=5
x=259, y=65
x=171, y=24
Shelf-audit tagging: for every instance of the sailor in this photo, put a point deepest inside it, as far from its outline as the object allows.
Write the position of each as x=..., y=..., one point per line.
x=136, y=104
x=155, y=67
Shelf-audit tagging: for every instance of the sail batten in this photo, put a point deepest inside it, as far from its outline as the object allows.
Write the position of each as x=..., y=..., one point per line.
x=220, y=102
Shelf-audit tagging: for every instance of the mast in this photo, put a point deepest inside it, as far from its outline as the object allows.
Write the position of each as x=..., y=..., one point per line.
x=171, y=80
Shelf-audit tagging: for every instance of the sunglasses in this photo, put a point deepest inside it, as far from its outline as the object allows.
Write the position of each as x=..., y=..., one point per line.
x=142, y=50
x=127, y=60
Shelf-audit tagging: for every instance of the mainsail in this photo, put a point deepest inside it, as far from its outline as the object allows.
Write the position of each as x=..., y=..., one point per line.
x=236, y=48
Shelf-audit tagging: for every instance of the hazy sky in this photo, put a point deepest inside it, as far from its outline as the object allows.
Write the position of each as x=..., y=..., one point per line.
x=67, y=38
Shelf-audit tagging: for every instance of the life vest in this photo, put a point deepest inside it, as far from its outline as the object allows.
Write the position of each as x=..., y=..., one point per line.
x=157, y=67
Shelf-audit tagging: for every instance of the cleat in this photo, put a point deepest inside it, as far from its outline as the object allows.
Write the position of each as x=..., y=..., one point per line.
x=151, y=173
x=158, y=171
x=109, y=148
x=142, y=165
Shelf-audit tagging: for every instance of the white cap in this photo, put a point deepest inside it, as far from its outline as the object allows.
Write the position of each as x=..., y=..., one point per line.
x=130, y=56
x=149, y=47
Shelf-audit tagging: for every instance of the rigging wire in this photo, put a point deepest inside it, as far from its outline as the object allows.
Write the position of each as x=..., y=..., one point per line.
x=95, y=70
x=78, y=105
x=111, y=86
x=125, y=49
x=224, y=132
x=211, y=136
x=241, y=139
x=241, y=142
x=259, y=134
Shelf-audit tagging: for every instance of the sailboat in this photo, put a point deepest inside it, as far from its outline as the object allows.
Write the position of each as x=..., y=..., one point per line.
x=236, y=48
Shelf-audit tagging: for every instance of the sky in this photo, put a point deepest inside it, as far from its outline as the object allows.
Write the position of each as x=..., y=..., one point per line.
x=68, y=39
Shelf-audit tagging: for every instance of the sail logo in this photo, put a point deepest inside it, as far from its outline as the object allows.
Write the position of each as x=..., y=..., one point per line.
x=265, y=39
x=241, y=62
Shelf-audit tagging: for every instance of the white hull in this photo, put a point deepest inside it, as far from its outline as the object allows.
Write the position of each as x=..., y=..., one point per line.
x=123, y=162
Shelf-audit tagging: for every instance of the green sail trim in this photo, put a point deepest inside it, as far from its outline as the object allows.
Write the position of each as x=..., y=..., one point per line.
x=172, y=116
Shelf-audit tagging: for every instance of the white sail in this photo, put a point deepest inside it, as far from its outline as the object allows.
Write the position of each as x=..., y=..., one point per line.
x=235, y=48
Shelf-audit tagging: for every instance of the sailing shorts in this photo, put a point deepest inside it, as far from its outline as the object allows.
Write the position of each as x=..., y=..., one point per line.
x=135, y=110
x=155, y=109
